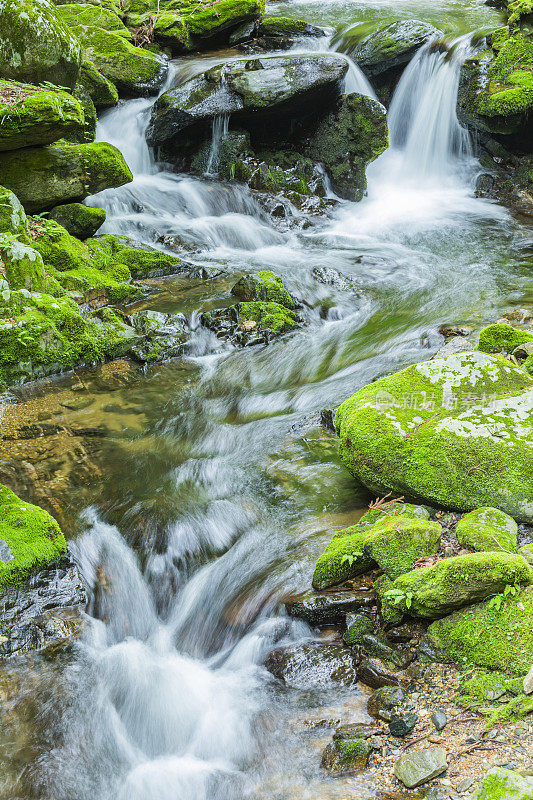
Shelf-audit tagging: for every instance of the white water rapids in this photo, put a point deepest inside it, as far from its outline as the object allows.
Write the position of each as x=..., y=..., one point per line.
x=168, y=698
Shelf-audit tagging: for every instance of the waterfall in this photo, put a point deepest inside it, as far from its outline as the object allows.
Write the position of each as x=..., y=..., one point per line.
x=220, y=131
x=422, y=117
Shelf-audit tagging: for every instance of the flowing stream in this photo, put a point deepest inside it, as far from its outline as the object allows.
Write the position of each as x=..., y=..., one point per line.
x=218, y=501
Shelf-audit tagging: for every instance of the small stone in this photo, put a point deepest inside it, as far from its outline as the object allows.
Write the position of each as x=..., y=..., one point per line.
x=439, y=720
x=528, y=682
x=382, y=702
x=416, y=768
x=464, y=785
x=402, y=724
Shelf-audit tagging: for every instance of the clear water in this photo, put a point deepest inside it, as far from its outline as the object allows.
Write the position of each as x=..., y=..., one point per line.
x=215, y=501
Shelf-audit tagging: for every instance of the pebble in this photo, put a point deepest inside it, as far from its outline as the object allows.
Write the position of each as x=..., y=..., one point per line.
x=402, y=724
x=464, y=785
x=439, y=720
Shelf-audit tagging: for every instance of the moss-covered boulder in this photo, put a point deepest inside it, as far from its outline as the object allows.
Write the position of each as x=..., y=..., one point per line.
x=449, y=584
x=393, y=46
x=79, y=220
x=346, y=755
x=265, y=286
x=29, y=539
x=23, y=266
x=12, y=214
x=30, y=115
x=134, y=71
x=497, y=634
x=343, y=558
x=395, y=543
x=502, y=338
x=270, y=317
x=273, y=89
x=61, y=173
x=95, y=16
x=455, y=431
x=347, y=140
x=102, y=92
x=504, y=784
x=36, y=45
x=142, y=260
x=488, y=529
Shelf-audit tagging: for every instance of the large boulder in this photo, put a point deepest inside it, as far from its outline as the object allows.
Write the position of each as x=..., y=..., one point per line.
x=36, y=45
x=347, y=139
x=31, y=115
x=452, y=583
x=392, y=47
x=134, y=71
x=95, y=16
x=273, y=88
x=43, y=177
x=101, y=91
x=29, y=539
x=455, y=431
x=79, y=220
x=497, y=633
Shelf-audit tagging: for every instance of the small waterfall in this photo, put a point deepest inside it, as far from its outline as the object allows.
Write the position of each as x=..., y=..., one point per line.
x=422, y=117
x=220, y=131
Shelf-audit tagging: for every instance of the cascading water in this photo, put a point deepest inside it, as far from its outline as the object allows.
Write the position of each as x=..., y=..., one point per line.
x=167, y=696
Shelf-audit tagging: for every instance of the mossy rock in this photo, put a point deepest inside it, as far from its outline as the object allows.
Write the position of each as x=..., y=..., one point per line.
x=497, y=636
x=395, y=543
x=393, y=46
x=142, y=260
x=12, y=214
x=29, y=539
x=88, y=133
x=357, y=625
x=347, y=139
x=488, y=529
x=271, y=317
x=30, y=115
x=394, y=509
x=24, y=267
x=502, y=338
x=527, y=552
x=79, y=220
x=265, y=286
x=454, y=432
x=346, y=756
x=102, y=92
x=504, y=784
x=287, y=27
x=452, y=583
x=95, y=16
x=61, y=173
x=487, y=686
x=36, y=45
x=135, y=72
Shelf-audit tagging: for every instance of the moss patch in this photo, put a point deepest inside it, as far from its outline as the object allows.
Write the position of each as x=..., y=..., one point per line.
x=488, y=529
x=502, y=338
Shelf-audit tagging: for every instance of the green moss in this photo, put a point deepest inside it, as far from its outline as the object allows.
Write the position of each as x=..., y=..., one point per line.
x=390, y=613
x=102, y=92
x=282, y=26
x=23, y=265
x=509, y=89
x=462, y=448
x=30, y=115
x=515, y=709
x=395, y=543
x=454, y=582
x=29, y=539
x=61, y=173
x=131, y=69
x=528, y=365
x=269, y=316
x=357, y=626
x=12, y=215
x=142, y=261
x=394, y=510
x=488, y=529
x=502, y=338
x=490, y=635
x=265, y=286
x=95, y=16
x=343, y=558
x=503, y=784
x=486, y=686
x=88, y=133
x=79, y=220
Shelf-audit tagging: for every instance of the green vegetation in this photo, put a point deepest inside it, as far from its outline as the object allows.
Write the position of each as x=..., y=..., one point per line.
x=502, y=338
x=488, y=529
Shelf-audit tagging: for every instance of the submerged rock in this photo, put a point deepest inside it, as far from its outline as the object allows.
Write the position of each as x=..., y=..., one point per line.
x=61, y=173
x=36, y=45
x=32, y=115
x=451, y=583
x=488, y=529
x=377, y=673
x=393, y=46
x=261, y=89
x=313, y=666
x=347, y=139
x=463, y=440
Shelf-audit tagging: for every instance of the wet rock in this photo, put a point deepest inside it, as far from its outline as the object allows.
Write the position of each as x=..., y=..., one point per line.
x=457, y=344
x=320, y=610
x=376, y=674
x=330, y=277
x=377, y=645
x=451, y=331
x=416, y=768
x=439, y=720
x=347, y=754
x=251, y=323
x=401, y=725
x=311, y=666
x=283, y=27
x=357, y=625
x=273, y=87
x=347, y=140
x=393, y=46
x=406, y=633
x=264, y=285
x=43, y=611
x=383, y=701
x=358, y=730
